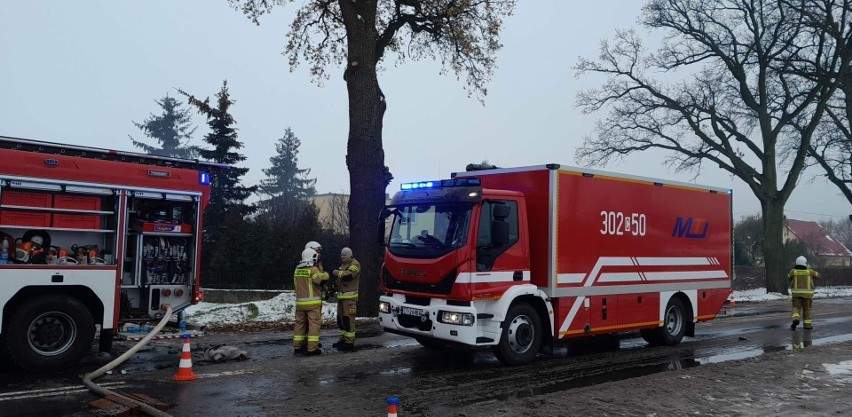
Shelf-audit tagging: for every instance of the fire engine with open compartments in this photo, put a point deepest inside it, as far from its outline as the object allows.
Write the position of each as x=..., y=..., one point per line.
x=90, y=238
x=518, y=259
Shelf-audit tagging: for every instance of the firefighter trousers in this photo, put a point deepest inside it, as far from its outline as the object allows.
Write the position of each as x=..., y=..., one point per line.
x=346, y=320
x=804, y=305
x=307, y=329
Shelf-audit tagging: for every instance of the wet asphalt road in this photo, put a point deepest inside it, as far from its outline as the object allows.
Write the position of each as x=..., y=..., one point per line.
x=273, y=382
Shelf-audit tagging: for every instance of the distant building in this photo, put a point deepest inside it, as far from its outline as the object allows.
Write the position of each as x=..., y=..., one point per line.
x=830, y=251
x=333, y=211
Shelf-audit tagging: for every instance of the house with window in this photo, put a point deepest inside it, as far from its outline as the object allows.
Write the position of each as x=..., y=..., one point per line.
x=829, y=250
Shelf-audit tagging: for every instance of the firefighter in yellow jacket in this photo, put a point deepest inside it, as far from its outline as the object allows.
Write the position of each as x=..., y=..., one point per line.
x=801, y=280
x=347, y=298
x=308, y=278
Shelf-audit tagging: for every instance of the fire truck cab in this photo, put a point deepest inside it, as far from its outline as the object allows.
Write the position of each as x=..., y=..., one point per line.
x=92, y=237
x=516, y=259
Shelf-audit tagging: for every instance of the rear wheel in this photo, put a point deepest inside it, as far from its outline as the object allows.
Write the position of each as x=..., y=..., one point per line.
x=674, y=324
x=521, y=337
x=50, y=333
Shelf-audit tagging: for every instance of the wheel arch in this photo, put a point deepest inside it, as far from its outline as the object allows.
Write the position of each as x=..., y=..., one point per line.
x=83, y=294
x=546, y=319
x=689, y=310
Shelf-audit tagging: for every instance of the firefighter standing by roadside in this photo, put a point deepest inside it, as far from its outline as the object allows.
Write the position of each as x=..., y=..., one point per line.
x=308, y=278
x=347, y=298
x=801, y=280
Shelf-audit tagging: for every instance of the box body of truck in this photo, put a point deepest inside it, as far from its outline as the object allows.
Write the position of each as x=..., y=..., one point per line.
x=588, y=252
x=97, y=237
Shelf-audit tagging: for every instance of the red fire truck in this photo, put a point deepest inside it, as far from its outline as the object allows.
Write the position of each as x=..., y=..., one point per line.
x=92, y=237
x=517, y=259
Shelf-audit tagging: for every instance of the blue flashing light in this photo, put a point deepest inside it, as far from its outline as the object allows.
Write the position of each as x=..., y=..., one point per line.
x=730, y=191
x=455, y=182
x=203, y=178
x=418, y=185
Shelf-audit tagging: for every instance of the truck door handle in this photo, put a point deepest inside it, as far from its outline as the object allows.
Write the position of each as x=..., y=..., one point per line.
x=518, y=276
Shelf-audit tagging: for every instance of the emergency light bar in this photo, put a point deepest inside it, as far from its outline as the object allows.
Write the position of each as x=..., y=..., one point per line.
x=455, y=182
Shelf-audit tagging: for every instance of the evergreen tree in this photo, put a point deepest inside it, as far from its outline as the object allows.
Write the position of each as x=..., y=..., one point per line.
x=227, y=194
x=171, y=130
x=284, y=178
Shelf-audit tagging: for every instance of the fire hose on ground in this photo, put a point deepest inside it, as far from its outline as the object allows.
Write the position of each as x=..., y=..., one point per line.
x=97, y=389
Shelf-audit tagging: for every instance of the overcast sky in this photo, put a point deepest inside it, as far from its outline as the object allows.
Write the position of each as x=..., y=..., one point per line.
x=80, y=72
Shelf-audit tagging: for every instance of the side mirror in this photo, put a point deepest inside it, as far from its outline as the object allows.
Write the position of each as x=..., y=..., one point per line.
x=380, y=226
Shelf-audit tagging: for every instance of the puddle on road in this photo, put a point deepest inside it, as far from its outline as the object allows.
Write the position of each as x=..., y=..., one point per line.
x=800, y=341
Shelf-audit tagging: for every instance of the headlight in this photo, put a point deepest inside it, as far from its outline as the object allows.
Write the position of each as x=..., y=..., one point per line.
x=459, y=319
x=384, y=307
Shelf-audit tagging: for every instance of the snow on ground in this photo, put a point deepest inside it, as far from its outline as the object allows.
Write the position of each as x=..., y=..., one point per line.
x=842, y=372
x=760, y=294
x=282, y=307
x=842, y=368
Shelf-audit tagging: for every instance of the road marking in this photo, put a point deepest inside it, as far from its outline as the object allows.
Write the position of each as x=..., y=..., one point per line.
x=226, y=373
x=52, y=392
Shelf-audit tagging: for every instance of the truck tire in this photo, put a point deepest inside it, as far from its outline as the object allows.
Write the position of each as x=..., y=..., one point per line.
x=50, y=333
x=674, y=323
x=521, y=337
x=650, y=336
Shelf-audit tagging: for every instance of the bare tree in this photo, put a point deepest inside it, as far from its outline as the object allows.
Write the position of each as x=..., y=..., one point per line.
x=748, y=241
x=339, y=214
x=358, y=35
x=718, y=90
x=840, y=230
x=831, y=149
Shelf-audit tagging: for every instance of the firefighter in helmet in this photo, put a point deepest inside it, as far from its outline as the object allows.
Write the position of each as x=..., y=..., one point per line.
x=801, y=279
x=308, y=278
x=318, y=248
x=347, y=298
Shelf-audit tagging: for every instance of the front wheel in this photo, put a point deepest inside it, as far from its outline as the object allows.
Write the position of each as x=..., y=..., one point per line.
x=521, y=337
x=674, y=324
x=50, y=333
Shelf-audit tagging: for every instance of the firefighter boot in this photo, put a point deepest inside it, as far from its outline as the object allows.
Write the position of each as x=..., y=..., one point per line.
x=795, y=323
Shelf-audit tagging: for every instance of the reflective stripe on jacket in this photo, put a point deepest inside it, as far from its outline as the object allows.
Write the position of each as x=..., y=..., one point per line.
x=350, y=272
x=307, y=283
x=801, y=281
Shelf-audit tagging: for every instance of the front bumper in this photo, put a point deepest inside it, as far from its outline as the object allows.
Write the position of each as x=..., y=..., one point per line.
x=422, y=321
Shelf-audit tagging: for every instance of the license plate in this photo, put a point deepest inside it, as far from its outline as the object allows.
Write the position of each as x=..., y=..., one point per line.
x=409, y=311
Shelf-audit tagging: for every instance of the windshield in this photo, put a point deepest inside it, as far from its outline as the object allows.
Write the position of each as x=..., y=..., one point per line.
x=429, y=230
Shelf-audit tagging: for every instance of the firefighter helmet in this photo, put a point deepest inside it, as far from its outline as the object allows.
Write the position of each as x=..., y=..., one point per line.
x=801, y=261
x=313, y=245
x=345, y=254
x=309, y=257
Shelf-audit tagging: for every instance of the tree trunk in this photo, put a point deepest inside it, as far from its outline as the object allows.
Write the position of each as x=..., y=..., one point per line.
x=773, y=245
x=368, y=176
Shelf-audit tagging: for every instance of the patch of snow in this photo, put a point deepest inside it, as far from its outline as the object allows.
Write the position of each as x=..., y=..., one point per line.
x=760, y=294
x=280, y=308
x=841, y=368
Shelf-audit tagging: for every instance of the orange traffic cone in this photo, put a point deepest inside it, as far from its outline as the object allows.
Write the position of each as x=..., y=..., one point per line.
x=184, y=372
x=392, y=403
x=730, y=300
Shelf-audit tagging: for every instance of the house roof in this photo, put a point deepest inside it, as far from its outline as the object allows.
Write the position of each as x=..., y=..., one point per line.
x=816, y=238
